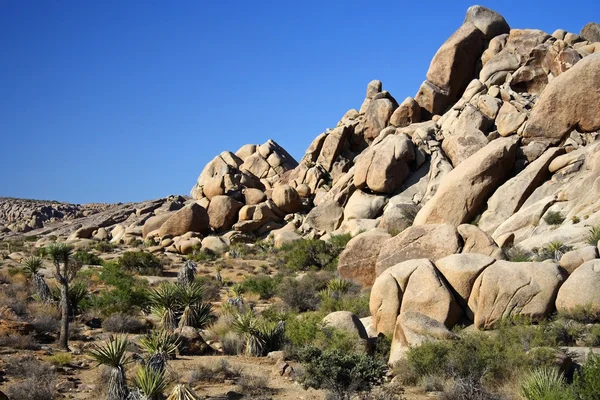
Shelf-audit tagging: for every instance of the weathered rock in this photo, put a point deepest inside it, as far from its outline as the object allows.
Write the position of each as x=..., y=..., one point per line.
x=377, y=117
x=363, y=206
x=383, y=167
x=451, y=70
x=591, y=32
x=461, y=271
x=357, y=261
x=286, y=198
x=581, y=289
x=488, y=21
x=396, y=218
x=151, y=224
x=477, y=241
x=509, y=119
x=254, y=196
x=192, y=218
x=568, y=102
x=332, y=146
x=509, y=197
x=214, y=244
x=223, y=212
x=572, y=260
x=346, y=321
x=327, y=216
x=431, y=241
x=407, y=113
x=507, y=289
x=464, y=190
x=460, y=147
x=285, y=237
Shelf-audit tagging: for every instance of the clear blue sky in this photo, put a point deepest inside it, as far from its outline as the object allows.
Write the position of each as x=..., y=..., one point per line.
x=106, y=101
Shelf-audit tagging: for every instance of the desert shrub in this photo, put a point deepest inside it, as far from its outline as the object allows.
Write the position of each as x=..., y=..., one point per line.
x=38, y=379
x=14, y=296
x=592, y=337
x=253, y=386
x=60, y=359
x=233, y=343
x=105, y=247
x=263, y=285
x=78, y=296
x=587, y=380
x=554, y=218
x=303, y=294
x=303, y=329
x=517, y=254
x=140, y=263
x=465, y=389
x=344, y=295
x=124, y=293
x=545, y=384
x=428, y=359
x=22, y=342
x=212, y=287
x=575, y=219
x=214, y=371
x=313, y=254
x=123, y=323
x=46, y=324
x=433, y=383
x=341, y=373
x=594, y=236
x=202, y=255
x=552, y=251
x=585, y=313
x=84, y=257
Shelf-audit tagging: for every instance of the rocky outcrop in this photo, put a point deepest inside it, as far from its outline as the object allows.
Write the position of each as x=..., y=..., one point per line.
x=581, y=289
x=357, y=261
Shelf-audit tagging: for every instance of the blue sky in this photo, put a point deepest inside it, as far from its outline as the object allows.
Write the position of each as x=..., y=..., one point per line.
x=107, y=101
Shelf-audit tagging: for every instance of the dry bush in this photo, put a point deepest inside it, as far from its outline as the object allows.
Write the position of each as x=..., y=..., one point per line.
x=14, y=296
x=46, y=324
x=123, y=323
x=214, y=371
x=21, y=342
x=32, y=389
x=253, y=386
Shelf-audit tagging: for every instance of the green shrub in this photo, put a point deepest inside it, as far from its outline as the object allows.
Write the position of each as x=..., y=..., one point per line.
x=592, y=338
x=263, y=285
x=60, y=359
x=312, y=254
x=303, y=294
x=356, y=303
x=124, y=293
x=303, y=329
x=84, y=257
x=587, y=380
x=202, y=255
x=586, y=314
x=554, y=218
x=105, y=247
x=575, y=219
x=517, y=254
x=430, y=358
x=140, y=263
x=594, y=236
x=341, y=373
x=545, y=384
x=78, y=296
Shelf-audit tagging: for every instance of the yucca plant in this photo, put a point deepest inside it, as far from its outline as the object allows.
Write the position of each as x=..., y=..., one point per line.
x=555, y=248
x=165, y=302
x=186, y=274
x=337, y=287
x=32, y=266
x=65, y=270
x=273, y=335
x=196, y=312
x=162, y=346
x=545, y=384
x=594, y=236
x=181, y=392
x=150, y=382
x=113, y=354
x=247, y=325
x=77, y=293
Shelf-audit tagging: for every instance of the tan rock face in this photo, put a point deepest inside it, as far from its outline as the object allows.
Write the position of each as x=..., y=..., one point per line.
x=363, y=206
x=327, y=216
x=377, y=117
x=572, y=260
x=332, y=146
x=460, y=147
x=569, y=102
x=477, y=241
x=357, y=261
x=581, y=289
x=151, y=224
x=397, y=218
x=192, y=218
x=451, y=69
x=346, y=321
x=286, y=198
x=488, y=21
x=507, y=289
x=254, y=196
x=223, y=212
x=464, y=190
x=509, y=119
x=383, y=167
x=431, y=241
x=409, y=112
x=591, y=32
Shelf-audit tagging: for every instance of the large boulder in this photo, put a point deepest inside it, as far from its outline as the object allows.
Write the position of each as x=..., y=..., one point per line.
x=357, y=261
x=332, y=146
x=327, y=216
x=223, y=212
x=506, y=289
x=362, y=205
x=591, y=32
x=477, y=241
x=346, y=321
x=377, y=116
x=451, y=70
x=488, y=21
x=383, y=167
x=398, y=217
x=570, y=101
x=463, y=191
x=581, y=289
x=427, y=241
x=407, y=113
x=572, y=260
x=509, y=197
x=286, y=198
x=192, y=218
x=411, y=286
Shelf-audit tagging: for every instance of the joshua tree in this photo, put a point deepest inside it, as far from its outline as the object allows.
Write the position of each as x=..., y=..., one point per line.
x=196, y=312
x=186, y=274
x=113, y=355
x=162, y=346
x=32, y=266
x=61, y=256
x=165, y=304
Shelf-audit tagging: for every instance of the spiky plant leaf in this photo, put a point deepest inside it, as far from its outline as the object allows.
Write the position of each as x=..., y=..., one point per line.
x=32, y=265
x=181, y=392
x=151, y=382
x=162, y=346
x=196, y=312
x=112, y=354
x=166, y=303
x=544, y=384
x=247, y=325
